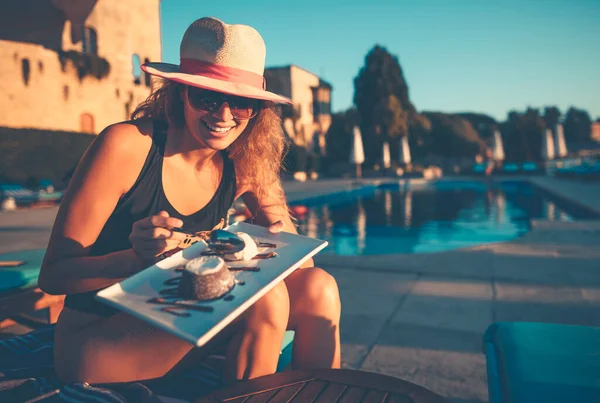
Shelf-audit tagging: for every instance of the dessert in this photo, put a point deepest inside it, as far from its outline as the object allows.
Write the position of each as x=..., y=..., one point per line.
x=205, y=277
x=250, y=248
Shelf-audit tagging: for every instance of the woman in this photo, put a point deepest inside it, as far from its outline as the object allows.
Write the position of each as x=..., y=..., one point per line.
x=207, y=136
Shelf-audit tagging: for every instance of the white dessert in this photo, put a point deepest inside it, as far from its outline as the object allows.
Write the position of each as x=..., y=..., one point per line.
x=250, y=249
x=205, y=265
x=205, y=277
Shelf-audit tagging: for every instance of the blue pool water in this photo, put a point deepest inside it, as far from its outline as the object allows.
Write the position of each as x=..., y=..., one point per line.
x=430, y=217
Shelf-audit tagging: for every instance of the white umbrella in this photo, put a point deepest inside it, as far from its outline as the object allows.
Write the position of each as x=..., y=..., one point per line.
x=357, y=154
x=404, y=151
x=559, y=141
x=498, y=150
x=547, y=145
x=386, y=155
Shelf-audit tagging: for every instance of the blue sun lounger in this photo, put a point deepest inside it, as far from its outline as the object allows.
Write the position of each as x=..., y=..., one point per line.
x=27, y=375
x=19, y=293
x=542, y=362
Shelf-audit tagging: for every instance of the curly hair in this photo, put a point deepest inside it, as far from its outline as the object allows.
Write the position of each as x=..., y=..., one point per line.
x=257, y=153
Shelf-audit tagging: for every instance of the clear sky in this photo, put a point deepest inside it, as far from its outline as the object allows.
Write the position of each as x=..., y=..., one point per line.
x=486, y=56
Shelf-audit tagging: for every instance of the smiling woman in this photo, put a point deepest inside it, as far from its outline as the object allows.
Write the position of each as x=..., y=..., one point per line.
x=207, y=135
x=256, y=151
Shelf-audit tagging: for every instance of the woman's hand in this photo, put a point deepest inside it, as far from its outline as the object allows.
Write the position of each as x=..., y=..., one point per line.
x=152, y=236
x=276, y=227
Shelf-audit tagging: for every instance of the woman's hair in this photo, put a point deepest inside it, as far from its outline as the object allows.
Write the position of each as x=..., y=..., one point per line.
x=257, y=153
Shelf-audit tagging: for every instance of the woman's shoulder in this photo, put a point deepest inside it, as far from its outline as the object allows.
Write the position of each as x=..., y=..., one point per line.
x=114, y=159
x=129, y=133
x=125, y=144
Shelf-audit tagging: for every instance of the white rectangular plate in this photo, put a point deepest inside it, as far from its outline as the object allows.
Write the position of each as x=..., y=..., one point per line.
x=131, y=295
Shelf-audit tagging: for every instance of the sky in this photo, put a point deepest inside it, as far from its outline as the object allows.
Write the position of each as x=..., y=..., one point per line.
x=486, y=56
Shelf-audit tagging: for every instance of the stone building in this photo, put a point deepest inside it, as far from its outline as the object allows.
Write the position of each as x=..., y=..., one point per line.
x=595, y=131
x=74, y=65
x=307, y=122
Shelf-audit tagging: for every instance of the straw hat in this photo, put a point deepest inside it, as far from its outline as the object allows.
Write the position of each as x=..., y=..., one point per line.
x=220, y=57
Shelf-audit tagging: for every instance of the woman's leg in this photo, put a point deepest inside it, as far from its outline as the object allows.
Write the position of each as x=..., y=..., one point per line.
x=315, y=311
x=122, y=348
x=255, y=351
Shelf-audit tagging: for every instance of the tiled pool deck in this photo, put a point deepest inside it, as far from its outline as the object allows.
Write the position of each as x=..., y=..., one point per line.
x=421, y=316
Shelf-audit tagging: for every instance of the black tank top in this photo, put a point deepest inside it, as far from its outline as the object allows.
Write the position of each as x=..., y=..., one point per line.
x=147, y=198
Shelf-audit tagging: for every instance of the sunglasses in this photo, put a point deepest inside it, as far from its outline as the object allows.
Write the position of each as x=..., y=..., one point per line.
x=211, y=101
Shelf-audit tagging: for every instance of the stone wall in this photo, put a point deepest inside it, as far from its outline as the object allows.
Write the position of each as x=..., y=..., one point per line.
x=27, y=154
x=51, y=98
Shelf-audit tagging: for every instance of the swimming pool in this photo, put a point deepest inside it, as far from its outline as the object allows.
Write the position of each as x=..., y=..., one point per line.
x=431, y=217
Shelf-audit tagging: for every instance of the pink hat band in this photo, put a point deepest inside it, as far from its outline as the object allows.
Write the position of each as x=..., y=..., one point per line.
x=220, y=57
x=224, y=73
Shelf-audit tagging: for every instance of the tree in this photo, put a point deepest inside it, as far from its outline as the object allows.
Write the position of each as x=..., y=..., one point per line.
x=450, y=136
x=382, y=102
x=577, y=126
x=339, y=137
x=513, y=116
x=551, y=116
x=420, y=139
x=484, y=124
x=393, y=118
x=522, y=135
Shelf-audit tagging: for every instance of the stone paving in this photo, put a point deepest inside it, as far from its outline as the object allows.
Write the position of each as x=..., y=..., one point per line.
x=420, y=317
x=26, y=229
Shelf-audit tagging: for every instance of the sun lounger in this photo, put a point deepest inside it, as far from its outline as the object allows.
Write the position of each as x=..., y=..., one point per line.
x=19, y=294
x=27, y=374
x=542, y=362
x=21, y=195
x=26, y=361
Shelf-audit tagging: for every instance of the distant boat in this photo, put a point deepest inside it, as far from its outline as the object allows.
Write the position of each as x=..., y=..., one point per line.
x=498, y=148
x=547, y=145
x=559, y=141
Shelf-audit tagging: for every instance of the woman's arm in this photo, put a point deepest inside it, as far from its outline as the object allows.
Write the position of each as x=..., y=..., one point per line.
x=272, y=211
x=107, y=170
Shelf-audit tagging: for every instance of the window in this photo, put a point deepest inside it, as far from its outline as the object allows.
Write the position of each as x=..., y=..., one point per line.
x=89, y=41
x=66, y=92
x=147, y=77
x=321, y=102
x=26, y=70
x=87, y=123
x=137, y=69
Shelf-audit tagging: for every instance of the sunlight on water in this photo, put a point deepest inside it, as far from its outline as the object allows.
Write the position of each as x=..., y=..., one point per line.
x=447, y=216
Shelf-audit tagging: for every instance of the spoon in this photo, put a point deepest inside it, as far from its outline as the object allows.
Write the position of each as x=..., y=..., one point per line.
x=222, y=241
